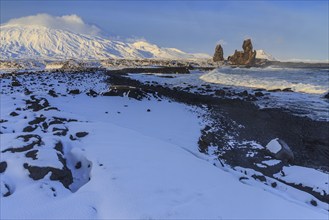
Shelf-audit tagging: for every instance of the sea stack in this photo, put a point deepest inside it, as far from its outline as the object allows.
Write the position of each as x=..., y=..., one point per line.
x=246, y=57
x=219, y=54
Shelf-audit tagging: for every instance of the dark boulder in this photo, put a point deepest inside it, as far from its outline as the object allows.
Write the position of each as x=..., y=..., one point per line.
x=92, y=93
x=74, y=92
x=3, y=166
x=14, y=114
x=29, y=128
x=247, y=57
x=219, y=54
x=81, y=134
x=15, y=83
x=78, y=165
x=52, y=93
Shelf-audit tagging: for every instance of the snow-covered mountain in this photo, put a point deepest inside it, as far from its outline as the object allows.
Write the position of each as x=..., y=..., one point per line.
x=39, y=42
x=261, y=54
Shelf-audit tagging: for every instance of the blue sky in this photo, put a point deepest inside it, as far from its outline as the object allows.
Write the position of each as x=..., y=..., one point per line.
x=286, y=29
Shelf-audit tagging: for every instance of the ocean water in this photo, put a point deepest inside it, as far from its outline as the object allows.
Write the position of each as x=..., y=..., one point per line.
x=309, y=86
x=312, y=81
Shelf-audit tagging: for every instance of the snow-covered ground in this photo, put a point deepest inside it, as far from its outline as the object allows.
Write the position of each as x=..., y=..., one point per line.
x=141, y=157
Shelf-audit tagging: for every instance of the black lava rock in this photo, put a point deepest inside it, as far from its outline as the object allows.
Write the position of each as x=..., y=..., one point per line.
x=3, y=166
x=29, y=128
x=52, y=93
x=314, y=203
x=92, y=93
x=13, y=114
x=81, y=134
x=32, y=154
x=16, y=83
x=78, y=165
x=74, y=92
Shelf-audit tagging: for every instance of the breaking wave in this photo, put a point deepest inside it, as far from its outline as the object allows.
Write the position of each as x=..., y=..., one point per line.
x=312, y=81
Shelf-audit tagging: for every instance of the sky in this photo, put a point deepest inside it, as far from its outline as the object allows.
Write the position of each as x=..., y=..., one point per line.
x=286, y=29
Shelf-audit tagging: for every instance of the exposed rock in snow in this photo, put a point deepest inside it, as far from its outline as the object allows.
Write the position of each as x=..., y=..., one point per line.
x=280, y=150
x=261, y=54
x=39, y=42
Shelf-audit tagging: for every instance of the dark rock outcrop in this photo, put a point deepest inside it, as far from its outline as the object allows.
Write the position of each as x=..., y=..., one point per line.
x=36, y=104
x=166, y=70
x=15, y=83
x=81, y=134
x=219, y=54
x=63, y=175
x=35, y=141
x=247, y=57
x=129, y=91
x=92, y=93
x=74, y=92
x=3, y=166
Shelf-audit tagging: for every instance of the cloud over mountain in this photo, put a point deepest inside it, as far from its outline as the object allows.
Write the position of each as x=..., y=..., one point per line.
x=43, y=36
x=72, y=22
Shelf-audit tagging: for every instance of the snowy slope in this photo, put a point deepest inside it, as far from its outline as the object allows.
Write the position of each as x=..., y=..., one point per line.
x=39, y=42
x=261, y=54
x=144, y=164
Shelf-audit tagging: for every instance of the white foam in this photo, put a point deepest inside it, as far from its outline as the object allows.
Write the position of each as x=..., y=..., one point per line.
x=298, y=80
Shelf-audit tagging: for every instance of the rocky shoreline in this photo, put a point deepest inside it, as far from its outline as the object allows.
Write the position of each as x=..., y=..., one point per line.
x=306, y=136
x=241, y=120
x=234, y=125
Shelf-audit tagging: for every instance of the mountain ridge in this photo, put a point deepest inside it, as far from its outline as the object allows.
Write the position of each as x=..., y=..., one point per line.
x=261, y=54
x=39, y=42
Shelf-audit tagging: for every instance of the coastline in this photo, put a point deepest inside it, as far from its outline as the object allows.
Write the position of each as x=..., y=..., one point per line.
x=231, y=136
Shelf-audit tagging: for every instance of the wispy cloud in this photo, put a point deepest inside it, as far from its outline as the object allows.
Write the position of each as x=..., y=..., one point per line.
x=134, y=39
x=71, y=22
x=221, y=42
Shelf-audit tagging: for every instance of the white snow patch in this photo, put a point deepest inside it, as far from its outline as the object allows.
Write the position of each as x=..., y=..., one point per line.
x=274, y=146
x=271, y=162
x=317, y=180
